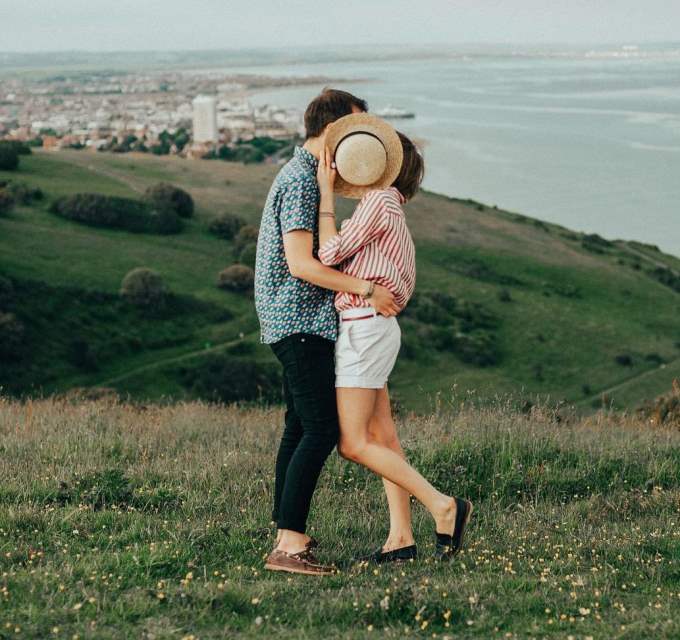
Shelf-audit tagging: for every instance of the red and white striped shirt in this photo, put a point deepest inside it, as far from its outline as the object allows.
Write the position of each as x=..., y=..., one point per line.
x=374, y=244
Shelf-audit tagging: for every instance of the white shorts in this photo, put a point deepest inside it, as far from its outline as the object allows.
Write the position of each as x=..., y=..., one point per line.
x=366, y=349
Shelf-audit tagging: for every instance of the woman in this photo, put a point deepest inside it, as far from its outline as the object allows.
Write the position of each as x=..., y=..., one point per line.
x=376, y=245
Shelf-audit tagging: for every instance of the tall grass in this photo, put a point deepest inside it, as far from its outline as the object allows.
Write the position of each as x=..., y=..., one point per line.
x=121, y=521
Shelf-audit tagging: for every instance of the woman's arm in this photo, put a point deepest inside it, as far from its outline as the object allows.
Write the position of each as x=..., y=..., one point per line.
x=298, y=246
x=366, y=225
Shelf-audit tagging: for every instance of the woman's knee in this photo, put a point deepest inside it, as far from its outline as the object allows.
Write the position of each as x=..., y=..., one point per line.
x=351, y=449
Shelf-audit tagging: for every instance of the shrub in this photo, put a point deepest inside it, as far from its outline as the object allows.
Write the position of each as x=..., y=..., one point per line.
x=24, y=193
x=6, y=201
x=245, y=236
x=233, y=379
x=478, y=347
x=165, y=222
x=624, y=359
x=143, y=287
x=11, y=336
x=237, y=277
x=164, y=196
x=104, y=211
x=112, y=212
x=82, y=355
x=22, y=148
x=504, y=295
x=248, y=255
x=226, y=226
x=595, y=243
x=9, y=157
x=6, y=292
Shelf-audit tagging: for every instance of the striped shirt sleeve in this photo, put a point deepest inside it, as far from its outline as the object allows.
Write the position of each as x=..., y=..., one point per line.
x=366, y=225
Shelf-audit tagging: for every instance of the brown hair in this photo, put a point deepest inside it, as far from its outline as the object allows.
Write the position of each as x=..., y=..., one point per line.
x=327, y=107
x=412, y=169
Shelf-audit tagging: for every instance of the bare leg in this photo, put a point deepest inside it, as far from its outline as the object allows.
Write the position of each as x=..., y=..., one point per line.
x=355, y=408
x=382, y=430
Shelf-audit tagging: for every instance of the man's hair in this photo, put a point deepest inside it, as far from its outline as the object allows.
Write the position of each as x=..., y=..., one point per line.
x=327, y=107
x=412, y=169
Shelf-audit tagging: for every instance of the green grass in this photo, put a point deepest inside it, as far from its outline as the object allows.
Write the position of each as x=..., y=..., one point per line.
x=572, y=311
x=121, y=521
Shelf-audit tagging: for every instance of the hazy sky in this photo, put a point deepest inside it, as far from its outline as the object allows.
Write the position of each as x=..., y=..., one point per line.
x=48, y=25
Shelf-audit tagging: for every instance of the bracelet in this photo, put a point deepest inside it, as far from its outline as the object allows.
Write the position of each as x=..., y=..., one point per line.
x=370, y=292
x=326, y=214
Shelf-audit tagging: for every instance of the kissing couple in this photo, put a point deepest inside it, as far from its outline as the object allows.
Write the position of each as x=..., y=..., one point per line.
x=328, y=301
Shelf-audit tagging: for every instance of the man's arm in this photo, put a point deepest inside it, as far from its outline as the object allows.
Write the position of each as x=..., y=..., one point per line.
x=298, y=247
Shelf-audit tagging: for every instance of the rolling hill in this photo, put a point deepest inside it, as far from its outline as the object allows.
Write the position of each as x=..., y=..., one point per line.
x=505, y=304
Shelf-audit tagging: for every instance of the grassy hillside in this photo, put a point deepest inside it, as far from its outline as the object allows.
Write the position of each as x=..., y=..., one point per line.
x=121, y=521
x=505, y=303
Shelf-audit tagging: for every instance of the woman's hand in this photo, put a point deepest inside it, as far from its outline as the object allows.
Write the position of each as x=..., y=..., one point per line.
x=326, y=173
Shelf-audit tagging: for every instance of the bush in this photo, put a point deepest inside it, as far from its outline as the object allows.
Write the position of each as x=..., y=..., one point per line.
x=164, y=196
x=165, y=222
x=504, y=295
x=9, y=157
x=246, y=235
x=226, y=226
x=6, y=201
x=143, y=287
x=237, y=277
x=24, y=193
x=624, y=359
x=233, y=379
x=248, y=255
x=478, y=347
x=11, y=336
x=22, y=148
x=112, y=212
x=6, y=292
x=82, y=355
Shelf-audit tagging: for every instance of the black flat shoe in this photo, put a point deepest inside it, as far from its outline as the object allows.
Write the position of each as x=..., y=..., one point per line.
x=449, y=545
x=404, y=554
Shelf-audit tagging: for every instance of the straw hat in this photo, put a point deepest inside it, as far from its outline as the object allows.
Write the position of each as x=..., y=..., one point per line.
x=367, y=153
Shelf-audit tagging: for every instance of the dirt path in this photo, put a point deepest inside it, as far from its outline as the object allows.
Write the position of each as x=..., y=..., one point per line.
x=634, y=378
x=161, y=363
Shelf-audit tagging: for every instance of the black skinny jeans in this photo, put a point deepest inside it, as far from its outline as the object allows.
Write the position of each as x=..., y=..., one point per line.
x=311, y=431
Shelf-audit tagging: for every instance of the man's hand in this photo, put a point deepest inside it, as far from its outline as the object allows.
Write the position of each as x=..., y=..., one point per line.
x=383, y=301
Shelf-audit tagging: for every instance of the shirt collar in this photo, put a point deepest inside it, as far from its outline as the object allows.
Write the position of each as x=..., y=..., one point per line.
x=402, y=200
x=306, y=159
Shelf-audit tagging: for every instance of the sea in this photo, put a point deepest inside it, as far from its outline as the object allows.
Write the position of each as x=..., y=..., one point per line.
x=588, y=138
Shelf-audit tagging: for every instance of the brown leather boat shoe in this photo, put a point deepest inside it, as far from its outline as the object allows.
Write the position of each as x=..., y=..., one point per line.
x=302, y=562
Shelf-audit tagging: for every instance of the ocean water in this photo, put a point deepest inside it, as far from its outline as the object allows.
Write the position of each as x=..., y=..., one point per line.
x=590, y=140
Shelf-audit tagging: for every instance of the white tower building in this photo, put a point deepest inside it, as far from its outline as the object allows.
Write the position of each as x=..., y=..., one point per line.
x=205, y=119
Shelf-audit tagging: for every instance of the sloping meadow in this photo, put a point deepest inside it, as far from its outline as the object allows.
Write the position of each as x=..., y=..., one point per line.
x=122, y=521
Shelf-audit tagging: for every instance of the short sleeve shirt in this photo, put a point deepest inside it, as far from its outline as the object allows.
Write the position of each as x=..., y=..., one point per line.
x=286, y=305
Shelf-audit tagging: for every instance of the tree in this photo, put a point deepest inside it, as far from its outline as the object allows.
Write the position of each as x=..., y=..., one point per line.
x=237, y=277
x=226, y=226
x=6, y=201
x=143, y=287
x=246, y=235
x=9, y=157
x=164, y=196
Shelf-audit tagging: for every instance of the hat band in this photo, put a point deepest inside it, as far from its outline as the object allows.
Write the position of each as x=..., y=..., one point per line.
x=363, y=133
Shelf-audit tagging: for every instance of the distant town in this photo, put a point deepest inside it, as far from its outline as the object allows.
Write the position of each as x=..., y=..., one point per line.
x=193, y=114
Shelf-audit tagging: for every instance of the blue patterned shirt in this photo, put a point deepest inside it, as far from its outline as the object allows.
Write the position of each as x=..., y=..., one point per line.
x=286, y=305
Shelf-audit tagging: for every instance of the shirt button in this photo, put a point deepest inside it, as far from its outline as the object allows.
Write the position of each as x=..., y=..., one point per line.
x=302, y=339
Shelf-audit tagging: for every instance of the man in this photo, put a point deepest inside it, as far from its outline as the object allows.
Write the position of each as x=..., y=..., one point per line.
x=294, y=301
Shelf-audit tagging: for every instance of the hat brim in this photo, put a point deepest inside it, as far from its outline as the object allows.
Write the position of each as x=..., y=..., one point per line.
x=366, y=123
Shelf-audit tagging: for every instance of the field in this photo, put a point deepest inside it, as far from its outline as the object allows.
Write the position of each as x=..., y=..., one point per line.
x=540, y=311
x=148, y=521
